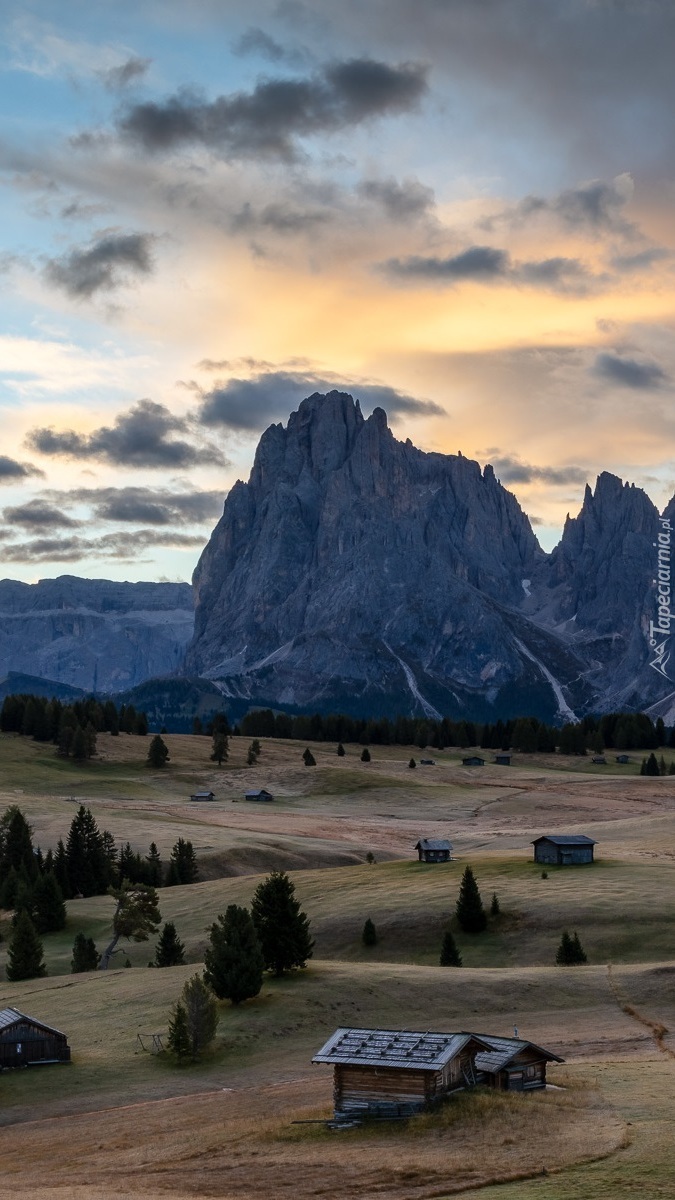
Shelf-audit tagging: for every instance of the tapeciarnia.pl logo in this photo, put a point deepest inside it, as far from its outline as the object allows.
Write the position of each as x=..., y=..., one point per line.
x=659, y=630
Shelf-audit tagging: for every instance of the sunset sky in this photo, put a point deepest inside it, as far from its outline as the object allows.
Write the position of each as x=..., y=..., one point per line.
x=460, y=210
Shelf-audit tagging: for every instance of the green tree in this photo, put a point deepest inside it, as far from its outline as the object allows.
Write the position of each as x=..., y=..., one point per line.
x=154, y=871
x=369, y=934
x=308, y=758
x=178, y=1040
x=412, y=763
x=494, y=905
x=470, y=911
x=365, y=754
x=234, y=959
x=170, y=950
x=85, y=955
x=201, y=1012
x=570, y=951
x=182, y=864
x=450, y=955
x=340, y=750
x=88, y=863
x=220, y=751
x=651, y=765
x=16, y=843
x=158, y=752
x=49, y=910
x=136, y=916
x=282, y=927
x=25, y=956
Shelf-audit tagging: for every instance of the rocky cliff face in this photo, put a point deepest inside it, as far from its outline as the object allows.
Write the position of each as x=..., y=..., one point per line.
x=93, y=633
x=355, y=571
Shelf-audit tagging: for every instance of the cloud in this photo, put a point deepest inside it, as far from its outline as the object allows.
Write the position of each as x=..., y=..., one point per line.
x=627, y=263
x=107, y=263
x=552, y=272
x=116, y=546
x=256, y=41
x=143, y=505
x=596, y=204
x=510, y=469
x=12, y=471
x=281, y=218
x=248, y=405
x=118, y=78
x=267, y=120
x=140, y=437
x=629, y=372
x=401, y=201
x=478, y=262
x=37, y=514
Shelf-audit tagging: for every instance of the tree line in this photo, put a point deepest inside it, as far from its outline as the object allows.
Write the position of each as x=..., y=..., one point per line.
x=71, y=727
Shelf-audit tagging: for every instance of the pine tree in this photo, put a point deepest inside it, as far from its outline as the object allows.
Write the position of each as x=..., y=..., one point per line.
x=365, y=754
x=470, y=911
x=578, y=952
x=412, y=763
x=178, y=1040
x=282, y=927
x=450, y=955
x=154, y=871
x=25, y=956
x=651, y=765
x=369, y=934
x=201, y=1012
x=340, y=750
x=88, y=864
x=494, y=905
x=234, y=960
x=182, y=864
x=308, y=758
x=136, y=916
x=158, y=752
x=570, y=951
x=49, y=910
x=219, y=752
x=170, y=950
x=16, y=843
x=85, y=955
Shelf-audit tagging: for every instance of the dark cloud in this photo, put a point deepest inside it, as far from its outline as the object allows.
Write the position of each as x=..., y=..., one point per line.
x=401, y=201
x=478, y=262
x=118, y=78
x=12, y=471
x=281, y=218
x=121, y=547
x=627, y=263
x=629, y=372
x=106, y=264
x=256, y=41
x=143, y=505
x=510, y=469
x=596, y=204
x=561, y=274
x=267, y=120
x=141, y=437
x=248, y=405
x=38, y=514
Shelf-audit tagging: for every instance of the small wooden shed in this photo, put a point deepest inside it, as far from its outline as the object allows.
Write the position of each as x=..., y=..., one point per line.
x=433, y=850
x=427, y=762
x=503, y=760
x=259, y=794
x=385, y=1072
x=473, y=761
x=623, y=759
x=25, y=1041
x=203, y=796
x=563, y=849
x=599, y=760
x=512, y=1064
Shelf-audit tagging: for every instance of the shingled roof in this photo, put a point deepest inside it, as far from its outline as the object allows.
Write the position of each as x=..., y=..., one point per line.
x=565, y=839
x=433, y=844
x=502, y=1050
x=395, y=1048
x=12, y=1016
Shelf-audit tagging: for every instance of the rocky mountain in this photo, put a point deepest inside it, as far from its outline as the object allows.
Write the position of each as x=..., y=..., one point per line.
x=356, y=572
x=94, y=634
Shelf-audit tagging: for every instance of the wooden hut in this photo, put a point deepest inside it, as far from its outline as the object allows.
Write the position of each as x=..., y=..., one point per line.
x=384, y=1072
x=473, y=760
x=512, y=1064
x=433, y=850
x=599, y=760
x=203, y=796
x=563, y=849
x=503, y=760
x=25, y=1041
x=259, y=794
x=623, y=759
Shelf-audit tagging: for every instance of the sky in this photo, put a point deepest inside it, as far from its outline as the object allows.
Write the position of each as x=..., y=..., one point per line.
x=459, y=210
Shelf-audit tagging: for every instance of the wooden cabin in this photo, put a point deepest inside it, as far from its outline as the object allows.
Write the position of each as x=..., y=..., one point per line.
x=473, y=761
x=259, y=794
x=623, y=759
x=599, y=760
x=25, y=1041
x=563, y=849
x=427, y=762
x=503, y=760
x=203, y=796
x=433, y=850
x=512, y=1064
x=384, y=1072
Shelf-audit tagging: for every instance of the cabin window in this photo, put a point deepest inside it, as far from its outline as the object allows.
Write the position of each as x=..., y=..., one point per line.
x=18, y=1047
x=531, y=1072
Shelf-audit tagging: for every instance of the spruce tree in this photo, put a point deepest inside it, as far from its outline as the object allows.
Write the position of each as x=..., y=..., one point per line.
x=412, y=763
x=178, y=1040
x=219, y=751
x=49, y=910
x=340, y=750
x=201, y=1013
x=85, y=955
x=158, y=752
x=170, y=950
x=450, y=955
x=494, y=905
x=651, y=765
x=369, y=934
x=25, y=958
x=154, y=871
x=578, y=952
x=570, y=951
x=88, y=864
x=308, y=758
x=282, y=927
x=365, y=754
x=16, y=843
x=470, y=911
x=234, y=960
x=182, y=864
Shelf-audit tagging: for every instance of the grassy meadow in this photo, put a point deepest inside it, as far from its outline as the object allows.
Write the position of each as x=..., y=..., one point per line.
x=124, y=1122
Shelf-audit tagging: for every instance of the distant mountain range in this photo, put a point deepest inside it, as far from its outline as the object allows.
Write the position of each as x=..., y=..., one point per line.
x=354, y=572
